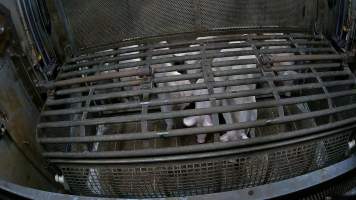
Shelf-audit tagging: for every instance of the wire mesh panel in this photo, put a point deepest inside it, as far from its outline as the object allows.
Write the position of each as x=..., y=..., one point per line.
x=95, y=23
x=228, y=13
x=236, y=110
x=202, y=176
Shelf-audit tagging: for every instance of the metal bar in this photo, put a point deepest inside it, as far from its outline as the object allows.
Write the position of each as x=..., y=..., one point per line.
x=64, y=75
x=99, y=77
x=207, y=150
x=182, y=58
x=194, y=66
x=296, y=50
x=85, y=113
x=194, y=35
x=273, y=59
x=201, y=75
x=330, y=102
x=99, y=87
x=50, y=102
x=156, y=53
x=220, y=38
x=148, y=84
x=191, y=99
x=209, y=80
x=259, y=55
x=290, y=58
x=185, y=113
x=274, y=91
x=295, y=67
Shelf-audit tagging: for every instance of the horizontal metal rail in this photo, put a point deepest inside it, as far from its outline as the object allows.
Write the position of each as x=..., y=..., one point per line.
x=101, y=77
x=188, y=57
x=194, y=152
x=124, y=50
x=191, y=66
x=204, y=149
x=193, y=112
x=198, y=98
x=186, y=87
x=196, y=49
x=187, y=131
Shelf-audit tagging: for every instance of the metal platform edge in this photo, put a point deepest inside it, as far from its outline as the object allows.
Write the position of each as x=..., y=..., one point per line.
x=267, y=191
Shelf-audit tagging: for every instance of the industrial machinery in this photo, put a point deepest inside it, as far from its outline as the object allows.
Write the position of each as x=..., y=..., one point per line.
x=163, y=98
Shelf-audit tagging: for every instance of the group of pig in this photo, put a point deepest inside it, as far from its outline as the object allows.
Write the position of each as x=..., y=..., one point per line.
x=206, y=120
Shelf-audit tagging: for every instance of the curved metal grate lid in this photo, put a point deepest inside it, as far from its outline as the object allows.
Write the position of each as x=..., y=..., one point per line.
x=98, y=23
x=110, y=110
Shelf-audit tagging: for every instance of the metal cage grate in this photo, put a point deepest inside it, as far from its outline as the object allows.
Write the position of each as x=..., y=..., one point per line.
x=104, y=128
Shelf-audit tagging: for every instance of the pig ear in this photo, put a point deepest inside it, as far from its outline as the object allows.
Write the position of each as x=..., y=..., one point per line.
x=190, y=121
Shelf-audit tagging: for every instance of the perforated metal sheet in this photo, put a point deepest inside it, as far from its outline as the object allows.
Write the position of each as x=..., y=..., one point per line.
x=97, y=23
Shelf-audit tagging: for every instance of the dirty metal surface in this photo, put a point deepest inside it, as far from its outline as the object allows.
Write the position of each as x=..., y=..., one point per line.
x=20, y=116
